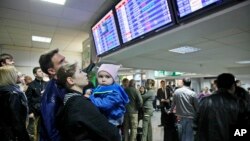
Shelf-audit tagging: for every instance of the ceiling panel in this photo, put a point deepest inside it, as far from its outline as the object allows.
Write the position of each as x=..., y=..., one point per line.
x=22, y=43
x=224, y=33
x=13, y=14
x=44, y=8
x=71, y=24
x=235, y=39
x=38, y=27
x=16, y=24
x=14, y=30
x=20, y=37
x=40, y=45
x=42, y=33
x=59, y=43
x=77, y=15
x=43, y=20
x=22, y=5
x=90, y=5
x=7, y=41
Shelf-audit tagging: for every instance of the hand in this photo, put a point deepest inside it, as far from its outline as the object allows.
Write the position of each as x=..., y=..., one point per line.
x=31, y=115
x=88, y=93
x=97, y=59
x=162, y=100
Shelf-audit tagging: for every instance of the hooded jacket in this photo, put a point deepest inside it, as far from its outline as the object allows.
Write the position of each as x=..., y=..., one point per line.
x=111, y=100
x=13, y=110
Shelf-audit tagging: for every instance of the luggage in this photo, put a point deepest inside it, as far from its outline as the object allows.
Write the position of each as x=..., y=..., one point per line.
x=139, y=134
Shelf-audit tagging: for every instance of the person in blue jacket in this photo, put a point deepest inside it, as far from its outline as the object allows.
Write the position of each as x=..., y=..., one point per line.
x=109, y=96
x=52, y=98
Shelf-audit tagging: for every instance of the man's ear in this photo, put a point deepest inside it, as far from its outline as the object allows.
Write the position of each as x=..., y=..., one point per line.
x=52, y=71
x=70, y=81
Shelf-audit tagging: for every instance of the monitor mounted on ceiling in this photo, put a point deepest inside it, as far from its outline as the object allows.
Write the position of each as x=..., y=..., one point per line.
x=105, y=35
x=192, y=9
x=142, y=18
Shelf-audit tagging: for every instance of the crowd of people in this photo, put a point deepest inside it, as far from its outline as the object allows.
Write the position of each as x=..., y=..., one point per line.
x=68, y=107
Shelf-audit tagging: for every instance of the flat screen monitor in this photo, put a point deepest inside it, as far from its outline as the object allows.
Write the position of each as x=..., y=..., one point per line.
x=187, y=7
x=139, y=17
x=105, y=34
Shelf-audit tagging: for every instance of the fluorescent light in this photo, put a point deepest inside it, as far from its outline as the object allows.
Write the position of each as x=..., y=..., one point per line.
x=243, y=62
x=61, y=2
x=41, y=39
x=184, y=49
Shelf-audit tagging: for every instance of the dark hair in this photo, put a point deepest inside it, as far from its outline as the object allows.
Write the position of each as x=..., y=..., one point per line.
x=64, y=72
x=225, y=80
x=124, y=80
x=4, y=57
x=151, y=82
x=162, y=81
x=35, y=69
x=45, y=60
x=186, y=82
x=132, y=83
x=144, y=89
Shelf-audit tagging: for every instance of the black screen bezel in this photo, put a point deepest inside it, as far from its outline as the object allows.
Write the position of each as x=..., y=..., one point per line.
x=209, y=9
x=117, y=28
x=152, y=33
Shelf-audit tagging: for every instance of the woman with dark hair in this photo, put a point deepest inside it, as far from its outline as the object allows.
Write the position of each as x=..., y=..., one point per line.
x=79, y=119
x=13, y=107
x=142, y=90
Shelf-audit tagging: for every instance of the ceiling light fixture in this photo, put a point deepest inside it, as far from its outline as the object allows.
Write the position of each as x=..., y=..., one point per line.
x=184, y=50
x=61, y=2
x=41, y=39
x=243, y=62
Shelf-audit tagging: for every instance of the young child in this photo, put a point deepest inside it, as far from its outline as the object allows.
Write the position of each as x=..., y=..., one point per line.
x=80, y=119
x=109, y=96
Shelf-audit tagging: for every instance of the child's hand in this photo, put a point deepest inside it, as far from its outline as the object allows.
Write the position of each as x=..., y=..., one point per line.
x=88, y=93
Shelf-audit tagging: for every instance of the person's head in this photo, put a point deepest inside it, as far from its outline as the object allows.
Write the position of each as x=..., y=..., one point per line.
x=107, y=74
x=150, y=83
x=8, y=75
x=6, y=59
x=38, y=73
x=72, y=77
x=27, y=79
x=226, y=81
x=20, y=78
x=125, y=82
x=206, y=90
x=50, y=62
x=214, y=85
x=142, y=89
x=238, y=83
x=132, y=83
x=186, y=82
x=163, y=84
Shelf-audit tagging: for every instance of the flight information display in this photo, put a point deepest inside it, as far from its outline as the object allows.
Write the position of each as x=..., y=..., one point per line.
x=105, y=34
x=138, y=17
x=186, y=7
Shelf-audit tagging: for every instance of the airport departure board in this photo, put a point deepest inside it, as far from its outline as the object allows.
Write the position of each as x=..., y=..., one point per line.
x=105, y=34
x=186, y=7
x=138, y=17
